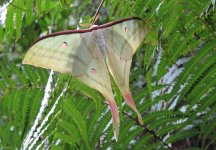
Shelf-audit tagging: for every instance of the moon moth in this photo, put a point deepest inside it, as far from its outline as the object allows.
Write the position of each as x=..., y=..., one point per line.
x=91, y=55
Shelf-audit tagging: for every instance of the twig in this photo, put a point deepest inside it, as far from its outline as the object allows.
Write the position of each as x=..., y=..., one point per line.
x=148, y=130
x=205, y=23
x=96, y=13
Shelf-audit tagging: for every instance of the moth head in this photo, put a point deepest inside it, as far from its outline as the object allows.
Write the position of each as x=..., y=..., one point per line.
x=93, y=26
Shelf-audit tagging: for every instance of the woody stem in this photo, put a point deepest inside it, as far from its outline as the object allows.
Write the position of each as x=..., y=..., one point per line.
x=148, y=130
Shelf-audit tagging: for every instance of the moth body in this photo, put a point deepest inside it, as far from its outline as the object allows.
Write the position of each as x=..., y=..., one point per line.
x=93, y=26
x=101, y=42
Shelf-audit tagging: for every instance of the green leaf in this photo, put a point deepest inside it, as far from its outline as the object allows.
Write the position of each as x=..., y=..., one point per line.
x=18, y=18
x=1, y=34
x=39, y=5
x=9, y=22
x=78, y=119
x=29, y=12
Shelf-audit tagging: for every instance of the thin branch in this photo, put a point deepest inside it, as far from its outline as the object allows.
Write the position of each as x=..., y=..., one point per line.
x=204, y=22
x=96, y=13
x=148, y=130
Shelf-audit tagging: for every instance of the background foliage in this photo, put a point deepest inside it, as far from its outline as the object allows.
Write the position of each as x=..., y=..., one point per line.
x=173, y=77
